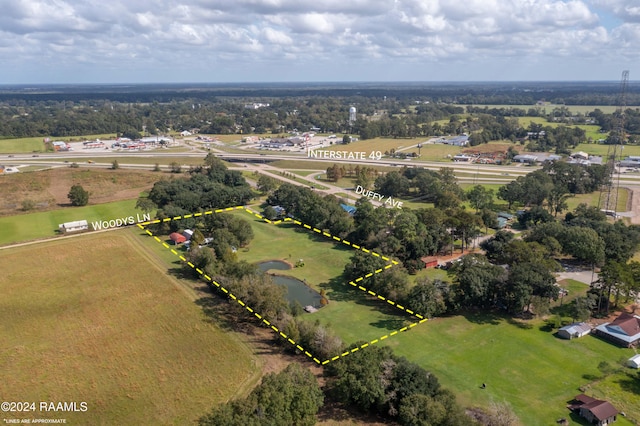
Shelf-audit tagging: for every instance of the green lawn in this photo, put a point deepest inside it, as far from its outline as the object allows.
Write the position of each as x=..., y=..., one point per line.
x=601, y=149
x=592, y=200
x=21, y=145
x=532, y=370
x=31, y=226
x=324, y=260
x=430, y=152
x=95, y=319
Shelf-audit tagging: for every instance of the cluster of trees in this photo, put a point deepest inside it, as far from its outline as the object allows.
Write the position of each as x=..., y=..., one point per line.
x=390, y=111
x=312, y=208
x=438, y=187
x=364, y=175
x=377, y=380
x=374, y=381
x=208, y=187
x=551, y=186
x=291, y=397
x=425, y=297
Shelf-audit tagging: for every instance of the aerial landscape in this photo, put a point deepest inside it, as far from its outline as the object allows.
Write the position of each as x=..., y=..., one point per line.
x=334, y=213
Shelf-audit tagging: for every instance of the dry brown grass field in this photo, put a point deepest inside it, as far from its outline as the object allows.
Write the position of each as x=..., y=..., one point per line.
x=96, y=319
x=49, y=188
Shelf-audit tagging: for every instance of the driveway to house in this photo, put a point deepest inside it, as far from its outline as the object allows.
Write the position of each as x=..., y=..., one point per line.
x=586, y=277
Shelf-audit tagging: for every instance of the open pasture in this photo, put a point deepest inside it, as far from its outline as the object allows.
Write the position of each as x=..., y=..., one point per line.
x=92, y=319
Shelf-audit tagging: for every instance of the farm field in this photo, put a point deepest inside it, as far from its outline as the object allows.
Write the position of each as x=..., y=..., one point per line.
x=130, y=345
x=31, y=226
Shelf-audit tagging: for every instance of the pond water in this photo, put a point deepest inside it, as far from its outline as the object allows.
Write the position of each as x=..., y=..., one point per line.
x=297, y=291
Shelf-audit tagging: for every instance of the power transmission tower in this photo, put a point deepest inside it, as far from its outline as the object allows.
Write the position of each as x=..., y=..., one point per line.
x=608, y=199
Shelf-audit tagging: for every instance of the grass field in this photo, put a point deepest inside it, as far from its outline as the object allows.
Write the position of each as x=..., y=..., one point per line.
x=30, y=226
x=601, y=149
x=529, y=368
x=429, y=152
x=592, y=200
x=584, y=109
x=49, y=188
x=323, y=259
x=130, y=345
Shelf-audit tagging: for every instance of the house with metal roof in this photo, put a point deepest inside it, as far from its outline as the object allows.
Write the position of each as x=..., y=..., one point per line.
x=623, y=331
x=597, y=412
x=575, y=330
x=76, y=226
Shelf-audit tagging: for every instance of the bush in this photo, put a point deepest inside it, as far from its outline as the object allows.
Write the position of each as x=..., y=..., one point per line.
x=78, y=196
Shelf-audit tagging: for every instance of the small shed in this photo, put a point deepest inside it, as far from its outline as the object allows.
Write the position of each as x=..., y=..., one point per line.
x=429, y=261
x=77, y=226
x=574, y=331
x=177, y=238
x=187, y=233
x=634, y=361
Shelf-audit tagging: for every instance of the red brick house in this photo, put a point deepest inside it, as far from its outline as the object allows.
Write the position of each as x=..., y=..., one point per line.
x=597, y=412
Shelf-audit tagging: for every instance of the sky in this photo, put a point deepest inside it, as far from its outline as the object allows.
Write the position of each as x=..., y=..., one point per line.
x=211, y=41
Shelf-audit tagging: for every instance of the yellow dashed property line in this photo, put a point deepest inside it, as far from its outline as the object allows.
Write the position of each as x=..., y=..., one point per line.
x=264, y=320
x=391, y=302
x=239, y=301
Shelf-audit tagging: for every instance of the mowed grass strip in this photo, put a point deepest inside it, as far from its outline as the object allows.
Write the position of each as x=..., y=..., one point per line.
x=31, y=226
x=89, y=319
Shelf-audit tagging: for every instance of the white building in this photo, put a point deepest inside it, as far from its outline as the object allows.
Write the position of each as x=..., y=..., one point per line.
x=77, y=226
x=575, y=330
x=634, y=361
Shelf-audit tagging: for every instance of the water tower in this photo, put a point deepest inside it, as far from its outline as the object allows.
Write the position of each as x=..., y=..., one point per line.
x=352, y=114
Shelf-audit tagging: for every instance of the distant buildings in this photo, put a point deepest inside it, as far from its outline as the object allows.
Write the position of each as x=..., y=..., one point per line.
x=630, y=161
x=462, y=140
x=256, y=105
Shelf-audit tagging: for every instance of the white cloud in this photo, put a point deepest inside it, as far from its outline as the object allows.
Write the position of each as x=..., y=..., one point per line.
x=376, y=33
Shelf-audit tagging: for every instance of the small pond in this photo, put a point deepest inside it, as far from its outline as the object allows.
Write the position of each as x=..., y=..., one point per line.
x=297, y=291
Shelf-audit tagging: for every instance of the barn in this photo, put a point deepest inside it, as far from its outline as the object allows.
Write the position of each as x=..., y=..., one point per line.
x=429, y=261
x=177, y=238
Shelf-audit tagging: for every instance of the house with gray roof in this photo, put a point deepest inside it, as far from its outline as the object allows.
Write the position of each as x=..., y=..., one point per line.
x=574, y=331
